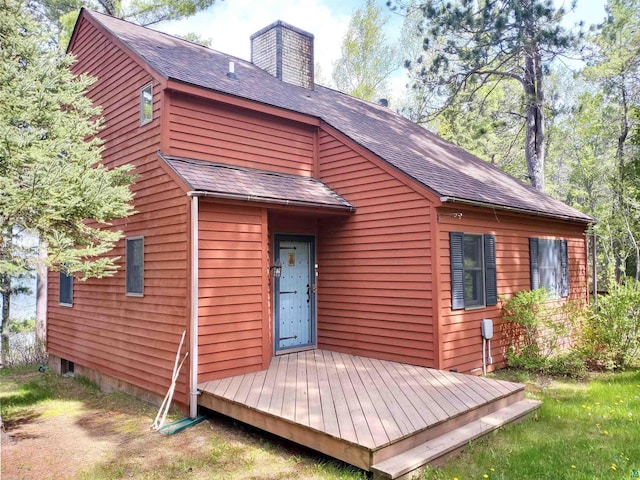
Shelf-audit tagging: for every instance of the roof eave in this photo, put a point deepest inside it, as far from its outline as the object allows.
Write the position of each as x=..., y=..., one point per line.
x=275, y=201
x=585, y=220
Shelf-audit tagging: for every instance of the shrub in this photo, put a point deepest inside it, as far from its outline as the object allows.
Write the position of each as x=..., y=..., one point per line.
x=611, y=334
x=539, y=331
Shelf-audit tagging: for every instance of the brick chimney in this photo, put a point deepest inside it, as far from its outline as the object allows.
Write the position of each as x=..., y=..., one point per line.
x=286, y=52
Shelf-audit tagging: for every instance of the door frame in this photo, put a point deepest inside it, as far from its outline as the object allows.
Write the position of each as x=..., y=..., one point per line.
x=311, y=239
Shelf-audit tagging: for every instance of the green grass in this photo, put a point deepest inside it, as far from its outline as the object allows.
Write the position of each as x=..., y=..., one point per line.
x=584, y=430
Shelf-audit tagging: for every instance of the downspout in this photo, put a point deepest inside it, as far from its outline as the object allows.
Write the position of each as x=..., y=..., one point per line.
x=193, y=400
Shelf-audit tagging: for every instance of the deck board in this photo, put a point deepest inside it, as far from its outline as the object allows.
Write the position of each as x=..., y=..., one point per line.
x=354, y=408
x=343, y=414
x=302, y=389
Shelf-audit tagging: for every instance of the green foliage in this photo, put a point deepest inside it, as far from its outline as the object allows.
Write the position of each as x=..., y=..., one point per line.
x=23, y=326
x=50, y=173
x=367, y=59
x=611, y=335
x=537, y=329
x=61, y=14
x=526, y=308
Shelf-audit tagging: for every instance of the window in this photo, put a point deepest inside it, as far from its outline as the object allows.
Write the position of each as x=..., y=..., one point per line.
x=473, y=270
x=66, y=290
x=135, y=266
x=549, y=264
x=146, y=104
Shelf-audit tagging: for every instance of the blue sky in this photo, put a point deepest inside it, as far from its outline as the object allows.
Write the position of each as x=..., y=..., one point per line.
x=230, y=23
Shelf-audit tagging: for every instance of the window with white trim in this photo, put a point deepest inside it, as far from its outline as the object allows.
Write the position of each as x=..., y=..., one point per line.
x=135, y=266
x=473, y=270
x=146, y=104
x=549, y=264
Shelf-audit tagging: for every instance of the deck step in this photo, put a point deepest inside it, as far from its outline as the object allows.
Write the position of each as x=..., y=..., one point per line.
x=404, y=465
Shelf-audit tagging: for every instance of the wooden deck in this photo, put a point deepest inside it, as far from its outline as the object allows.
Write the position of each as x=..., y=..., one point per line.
x=360, y=410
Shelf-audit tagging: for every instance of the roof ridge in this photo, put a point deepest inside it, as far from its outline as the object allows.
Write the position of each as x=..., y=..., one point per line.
x=441, y=167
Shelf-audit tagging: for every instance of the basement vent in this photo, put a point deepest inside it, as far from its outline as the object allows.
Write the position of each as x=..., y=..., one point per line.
x=67, y=367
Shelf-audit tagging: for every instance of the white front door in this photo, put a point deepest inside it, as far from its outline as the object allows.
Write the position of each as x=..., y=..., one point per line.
x=294, y=293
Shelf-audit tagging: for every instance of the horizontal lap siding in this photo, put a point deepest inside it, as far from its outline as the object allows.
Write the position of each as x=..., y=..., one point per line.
x=205, y=130
x=460, y=331
x=231, y=290
x=375, y=280
x=129, y=338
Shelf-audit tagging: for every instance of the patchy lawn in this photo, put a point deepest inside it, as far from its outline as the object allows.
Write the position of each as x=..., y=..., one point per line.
x=62, y=428
x=584, y=430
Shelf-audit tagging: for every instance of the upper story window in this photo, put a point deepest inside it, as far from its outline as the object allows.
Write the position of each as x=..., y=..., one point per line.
x=473, y=270
x=135, y=266
x=65, y=296
x=146, y=104
x=549, y=264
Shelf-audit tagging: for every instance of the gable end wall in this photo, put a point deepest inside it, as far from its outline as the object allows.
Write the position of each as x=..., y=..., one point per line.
x=130, y=339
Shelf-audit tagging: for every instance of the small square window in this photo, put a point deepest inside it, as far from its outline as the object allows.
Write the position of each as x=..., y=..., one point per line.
x=65, y=297
x=146, y=104
x=135, y=266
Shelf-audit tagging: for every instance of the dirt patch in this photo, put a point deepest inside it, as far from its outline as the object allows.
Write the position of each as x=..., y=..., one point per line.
x=73, y=431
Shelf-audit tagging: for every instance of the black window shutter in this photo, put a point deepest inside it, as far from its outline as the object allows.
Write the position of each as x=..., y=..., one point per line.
x=490, y=278
x=456, y=240
x=533, y=263
x=564, y=263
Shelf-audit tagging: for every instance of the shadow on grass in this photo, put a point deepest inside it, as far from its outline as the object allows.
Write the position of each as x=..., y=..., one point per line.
x=119, y=423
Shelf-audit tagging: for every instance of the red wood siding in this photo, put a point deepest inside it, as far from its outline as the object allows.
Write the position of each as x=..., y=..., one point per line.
x=460, y=330
x=375, y=269
x=206, y=130
x=133, y=339
x=233, y=328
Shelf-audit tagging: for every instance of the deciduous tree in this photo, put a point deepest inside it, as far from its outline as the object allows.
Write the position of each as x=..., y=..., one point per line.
x=367, y=58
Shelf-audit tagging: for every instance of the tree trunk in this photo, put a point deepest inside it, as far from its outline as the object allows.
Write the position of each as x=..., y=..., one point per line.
x=534, y=137
x=619, y=208
x=5, y=287
x=41, y=293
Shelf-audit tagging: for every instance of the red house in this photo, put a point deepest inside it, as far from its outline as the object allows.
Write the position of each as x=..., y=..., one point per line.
x=277, y=216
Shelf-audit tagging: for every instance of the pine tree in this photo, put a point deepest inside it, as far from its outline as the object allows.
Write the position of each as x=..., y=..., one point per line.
x=51, y=179
x=469, y=44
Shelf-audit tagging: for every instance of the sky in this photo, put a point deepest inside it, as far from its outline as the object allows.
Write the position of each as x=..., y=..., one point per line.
x=230, y=23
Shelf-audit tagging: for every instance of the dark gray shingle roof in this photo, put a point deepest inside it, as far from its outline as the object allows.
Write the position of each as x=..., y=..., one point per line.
x=251, y=184
x=449, y=171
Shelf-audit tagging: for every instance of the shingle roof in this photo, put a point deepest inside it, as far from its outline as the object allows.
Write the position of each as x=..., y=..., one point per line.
x=449, y=171
x=251, y=184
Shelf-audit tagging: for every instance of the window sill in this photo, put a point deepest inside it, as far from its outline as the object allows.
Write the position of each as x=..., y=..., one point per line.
x=475, y=307
x=139, y=295
x=68, y=305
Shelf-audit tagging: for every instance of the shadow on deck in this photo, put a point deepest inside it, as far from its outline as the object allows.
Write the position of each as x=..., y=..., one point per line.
x=386, y=417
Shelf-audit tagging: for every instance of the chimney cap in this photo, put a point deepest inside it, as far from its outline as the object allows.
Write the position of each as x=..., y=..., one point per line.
x=280, y=23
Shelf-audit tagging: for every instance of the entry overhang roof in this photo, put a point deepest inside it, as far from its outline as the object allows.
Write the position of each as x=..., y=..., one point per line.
x=233, y=182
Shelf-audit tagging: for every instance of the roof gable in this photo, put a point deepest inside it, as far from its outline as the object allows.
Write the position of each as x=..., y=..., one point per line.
x=447, y=170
